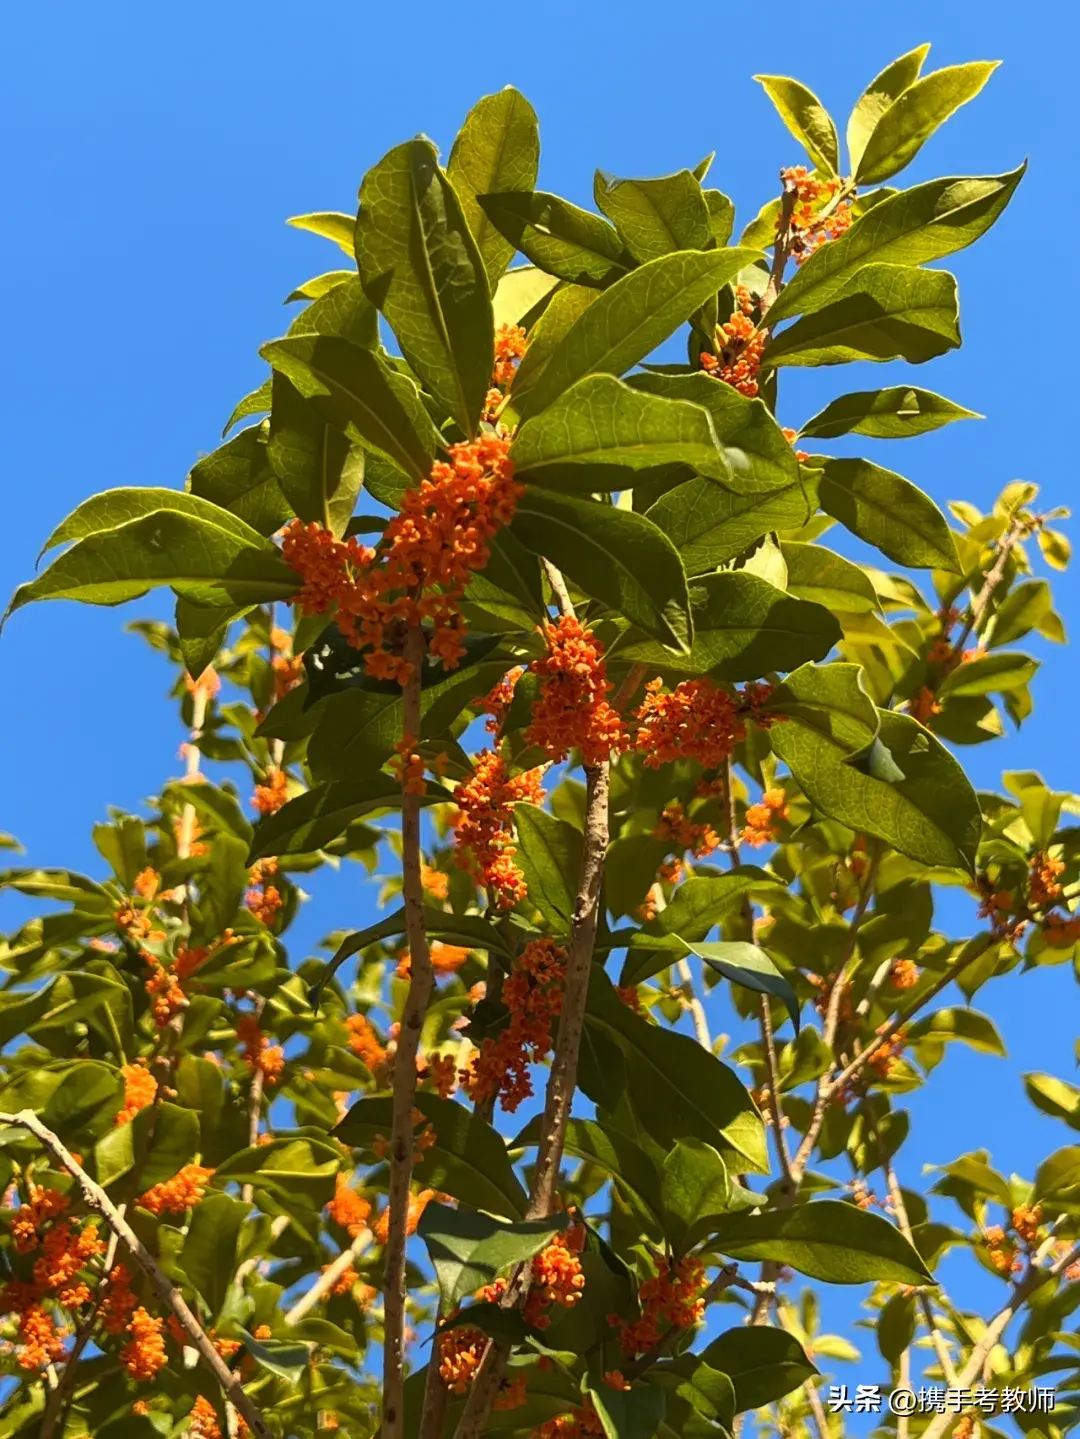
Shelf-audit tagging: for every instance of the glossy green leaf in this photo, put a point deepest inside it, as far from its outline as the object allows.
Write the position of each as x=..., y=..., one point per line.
x=678, y=1089
x=320, y=473
x=560, y=238
x=600, y=422
x=608, y=1149
x=807, y=119
x=158, y=1150
x=496, y=150
x=469, y=1251
x=111, y=509
x=694, y=1186
x=1022, y=610
x=255, y=403
x=421, y=267
x=821, y=575
x=359, y=393
x=830, y=700
x=520, y=293
x=616, y=556
x=751, y=967
x=345, y=311
x=208, y=1257
x=468, y=1160
x=314, y=819
x=763, y=1363
x=237, y=477
x=721, y=216
x=915, y=114
x=1054, y=1097
x=709, y=524
x=567, y=306
x=828, y=1240
x=931, y=815
x=549, y=852
x=656, y=217
x=319, y=285
x=889, y=513
x=201, y=632
x=913, y=227
x=890, y=414
x=631, y=318
x=709, y=1393
x=896, y=1326
x=964, y=1025
x=634, y=1413
x=878, y=96
x=995, y=673
x=884, y=312
x=292, y=1171
x=743, y=628
x=330, y=224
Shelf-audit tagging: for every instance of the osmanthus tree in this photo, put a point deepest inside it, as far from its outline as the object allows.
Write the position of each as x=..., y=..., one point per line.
x=477, y=546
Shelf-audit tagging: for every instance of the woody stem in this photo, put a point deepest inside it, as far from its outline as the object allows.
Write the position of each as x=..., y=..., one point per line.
x=170, y=1297
x=421, y=981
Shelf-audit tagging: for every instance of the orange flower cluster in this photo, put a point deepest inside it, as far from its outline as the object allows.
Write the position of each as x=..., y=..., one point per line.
x=427, y=554
x=208, y=683
x=533, y=995
x=630, y=996
x=811, y=228
x=904, y=974
x=510, y=341
x=883, y=1059
x=272, y=793
x=763, y=819
x=287, y=669
x=1060, y=931
x=1001, y=1251
x=146, y=883
x=349, y=1208
x=997, y=906
x=65, y=1252
x=440, y=1070
x=498, y=700
x=1044, y=891
x=583, y=1423
x=670, y=1300
x=203, y=1420
x=119, y=1301
x=140, y=1089
x=180, y=1193
x=572, y=710
x=925, y=705
x=408, y=766
x=445, y=959
x=681, y=832
x=364, y=1042
x=41, y=1342
x=483, y=833
x=740, y=345
x=31, y=1218
x=264, y=899
x=697, y=720
x=259, y=1056
x=557, y=1276
x=791, y=436
x=144, y=1355
x=460, y=1352
x=1025, y=1220
x=435, y=882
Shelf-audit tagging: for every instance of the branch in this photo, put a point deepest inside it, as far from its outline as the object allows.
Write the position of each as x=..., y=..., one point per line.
x=899, y=1208
x=328, y=1278
x=404, y=1075
x=781, y=248
x=168, y=1294
x=686, y=975
x=768, y=1044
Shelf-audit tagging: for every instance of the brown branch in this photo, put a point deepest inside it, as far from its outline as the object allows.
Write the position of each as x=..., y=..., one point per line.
x=785, y=237
x=558, y=588
x=421, y=981
x=436, y=1392
x=899, y=1208
x=167, y=1293
x=776, y=1111
x=328, y=1278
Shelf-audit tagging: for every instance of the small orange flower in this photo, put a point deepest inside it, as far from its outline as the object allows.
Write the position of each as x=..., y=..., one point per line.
x=533, y=995
x=572, y=711
x=364, y=1042
x=483, y=834
x=672, y=1299
x=144, y=1356
x=140, y=1089
x=764, y=819
x=272, y=793
x=203, y=1420
x=349, y=1208
x=740, y=345
x=180, y=1193
x=259, y=1056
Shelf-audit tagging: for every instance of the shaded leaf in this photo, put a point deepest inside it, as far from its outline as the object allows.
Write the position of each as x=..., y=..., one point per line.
x=888, y=512
x=828, y=1240
x=656, y=217
x=763, y=1363
x=890, y=414
x=469, y=1251
x=312, y=820
x=560, y=238
x=751, y=967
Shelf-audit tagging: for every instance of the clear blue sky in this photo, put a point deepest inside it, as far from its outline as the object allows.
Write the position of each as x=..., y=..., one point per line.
x=152, y=156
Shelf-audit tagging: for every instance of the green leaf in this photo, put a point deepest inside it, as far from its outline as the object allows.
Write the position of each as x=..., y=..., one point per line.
x=318, y=286
x=631, y=318
x=995, y=673
x=293, y=1171
x=1054, y=1097
x=497, y=149
x=889, y=513
x=709, y=524
x=110, y=510
x=807, y=119
x=359, y=393
x=679, y=1090
x=568, y=304
x=602, y=422
x=966, y=1025
x=616, y=556
x=469, y=1251
x=237, y=477
x=884, y=312
x=331, y=225
x=313, y=820
x=345, y=311
x=709, y=1392
x=914, y=116
x=208, y=1257
x=420, y=266
x=1058, y=1176
x=560, y=238
x=818, y=574
x=694, y=1187
x=743, y=628
x=160, y=1148
x=288, y=1361
x=828, y=1240
x=468, y=1160
x=878, y=96
x=931, y=815
x=890, y=414
x=829, y=700
x=634, y=1413
x=521, y=293
x=721, y=216
x=913, y=227
x=763, y=1363
x=1022, y=610
x=656, y=217
x=201, y=632
x=320, y=473
x=549, y=851
x=896, y=1326
x=750, y=967
x=255, y=403
x=201, y=556
x=610, y=1150
x=760, y=456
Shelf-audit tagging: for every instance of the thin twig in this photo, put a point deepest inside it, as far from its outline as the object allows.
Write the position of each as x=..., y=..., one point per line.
x=899, y=1208
x=168, y=1294
x=421, y=981
x=558, y=589
x=436, y=1391
x=329, y=1277
x=782, y=246
x=690, y=995
x=776, y=1110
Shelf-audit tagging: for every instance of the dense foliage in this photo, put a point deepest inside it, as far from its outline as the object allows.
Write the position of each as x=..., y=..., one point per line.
x=250, y=1191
